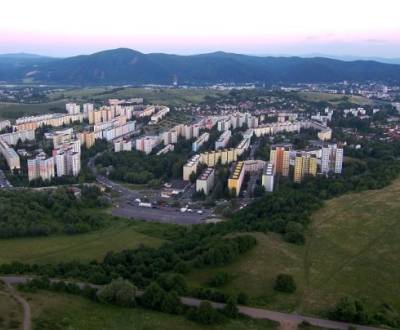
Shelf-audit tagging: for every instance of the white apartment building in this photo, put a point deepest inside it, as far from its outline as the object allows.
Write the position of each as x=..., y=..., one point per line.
x=268, y=178
x=200, y=141
x=223, y=124
x=331, y=159
x=223, y=140
x=73, y=108
x=4, y=124
x=12, y=158
x=12, y=138
x=205, y=182
x=162, y=112
x=88, y=107
x=191, y=167
x=41, y=167
x=122, y=145
x=170, y=137
x=147, y=143
x=166, y=149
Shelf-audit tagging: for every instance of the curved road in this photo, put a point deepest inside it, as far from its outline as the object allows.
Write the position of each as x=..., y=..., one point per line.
x=285, y=319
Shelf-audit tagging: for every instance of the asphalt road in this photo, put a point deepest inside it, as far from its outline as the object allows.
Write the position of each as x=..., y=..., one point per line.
x=163, y=215
x=255, y=313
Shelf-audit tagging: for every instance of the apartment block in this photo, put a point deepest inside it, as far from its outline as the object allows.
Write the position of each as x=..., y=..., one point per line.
x=12, y=138
x=242, y=146
x=166, y=149
x=162, y=112
x=280, y=159
x=200, y=141
x=305, y=164
x=223, y=124
x=41, y=167
x=73, y=108
x=122, y=145
x=10, y=155
x=225, y=156
x=147, y=143
x=268, y=178
x=205, y=182
x=223, y=140
x=332, y=159
x=4, y=124
x=235, y=180
x=191, y=167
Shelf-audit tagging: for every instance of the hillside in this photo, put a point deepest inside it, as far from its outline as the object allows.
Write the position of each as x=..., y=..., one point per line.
x=126, y=66
x=352, y=249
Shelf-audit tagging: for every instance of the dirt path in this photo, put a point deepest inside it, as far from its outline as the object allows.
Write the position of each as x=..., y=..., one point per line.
x=26, y=325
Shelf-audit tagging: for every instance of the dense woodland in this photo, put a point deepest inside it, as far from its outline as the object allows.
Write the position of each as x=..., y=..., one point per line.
x=138, y=168
x=27, y=213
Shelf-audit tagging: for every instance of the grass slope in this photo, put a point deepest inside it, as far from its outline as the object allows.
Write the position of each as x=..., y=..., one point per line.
x=121, y=235
x=61, y=311
x=353, y=248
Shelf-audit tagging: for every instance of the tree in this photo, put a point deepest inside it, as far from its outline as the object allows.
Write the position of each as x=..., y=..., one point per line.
x=206, y=314
x=153, y=296
x=285, y=283
x=172, y=303
x=119, y=292
x=230, y=308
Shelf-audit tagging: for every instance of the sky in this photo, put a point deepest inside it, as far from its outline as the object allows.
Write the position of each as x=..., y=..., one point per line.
x=293, y=27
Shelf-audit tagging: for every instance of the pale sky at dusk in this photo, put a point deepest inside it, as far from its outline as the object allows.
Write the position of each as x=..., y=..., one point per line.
x=336, y=27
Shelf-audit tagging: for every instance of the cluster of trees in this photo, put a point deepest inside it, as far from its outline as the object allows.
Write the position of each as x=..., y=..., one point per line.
x=28, y=213
x=137, y=168
x=196, y=248
x=356, y=311
x=287, y=211
x=123, y=293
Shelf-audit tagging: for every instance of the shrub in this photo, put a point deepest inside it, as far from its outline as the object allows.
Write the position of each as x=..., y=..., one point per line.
x=285, y=283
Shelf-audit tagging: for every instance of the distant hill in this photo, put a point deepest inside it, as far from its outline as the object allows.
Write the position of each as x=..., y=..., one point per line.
x=126, y=66
x=14, y=67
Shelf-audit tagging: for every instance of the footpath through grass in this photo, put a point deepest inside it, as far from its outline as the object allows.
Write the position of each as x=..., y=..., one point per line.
x=353, y=248
x=122, y=234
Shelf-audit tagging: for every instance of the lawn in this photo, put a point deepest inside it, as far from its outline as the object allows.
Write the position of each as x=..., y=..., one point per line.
x=61, y=311
x=121, y=235
x=353, y=248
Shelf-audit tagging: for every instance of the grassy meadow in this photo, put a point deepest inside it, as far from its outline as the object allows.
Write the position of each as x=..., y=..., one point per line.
x=353, y=248
x=121, y=235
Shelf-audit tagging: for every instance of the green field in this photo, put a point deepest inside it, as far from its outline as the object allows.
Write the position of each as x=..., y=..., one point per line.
x=15, y=110
x=72, y=312
x=333, y=98
x=121, y=235
x=172, y=97
x=353, y=248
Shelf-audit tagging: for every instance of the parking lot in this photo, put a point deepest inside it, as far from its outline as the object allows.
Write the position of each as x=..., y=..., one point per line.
x=161, y=214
